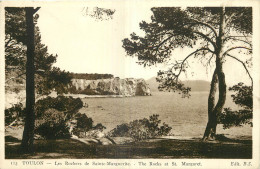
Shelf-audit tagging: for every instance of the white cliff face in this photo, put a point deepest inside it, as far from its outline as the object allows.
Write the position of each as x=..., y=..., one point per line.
x=115, y=86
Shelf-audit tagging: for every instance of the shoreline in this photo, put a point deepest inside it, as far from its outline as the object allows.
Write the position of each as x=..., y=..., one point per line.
x=82, y=96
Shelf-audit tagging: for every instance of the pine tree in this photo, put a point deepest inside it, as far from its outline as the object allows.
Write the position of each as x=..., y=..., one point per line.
x=216, y=33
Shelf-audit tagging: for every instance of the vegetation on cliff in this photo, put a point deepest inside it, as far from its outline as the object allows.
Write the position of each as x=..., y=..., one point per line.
x=91, y=76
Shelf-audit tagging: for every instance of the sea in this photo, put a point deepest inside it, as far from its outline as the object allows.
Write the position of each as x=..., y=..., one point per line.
x=187, y=116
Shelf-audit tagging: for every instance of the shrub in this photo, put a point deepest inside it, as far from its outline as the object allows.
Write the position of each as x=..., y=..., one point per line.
x=53, y=114
x=52, y=125
x=243, y=98
x=85, y=124
x=99, y=126
x=50, y=130
x=68, y=105
x=141, y=129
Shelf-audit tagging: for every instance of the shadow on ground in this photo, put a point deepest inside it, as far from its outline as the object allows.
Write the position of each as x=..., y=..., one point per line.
x=154, y=148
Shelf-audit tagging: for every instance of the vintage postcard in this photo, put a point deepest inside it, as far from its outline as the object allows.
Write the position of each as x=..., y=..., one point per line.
x=129, y=84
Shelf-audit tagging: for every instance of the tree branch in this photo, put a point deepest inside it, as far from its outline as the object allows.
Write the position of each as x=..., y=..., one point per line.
x=236, y=47
x=188, y=57
x=243, y=65
x=172, y=35
x=165, y=40
x=205, y=24
x=157, y=47
x=207, y=38
x=36, y=9
x=233, y=14
x=208, y=63
x=241, y=36
x=236, y=39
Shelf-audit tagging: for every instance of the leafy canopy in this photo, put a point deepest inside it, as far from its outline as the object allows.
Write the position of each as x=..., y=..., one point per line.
x=47, y=76
x=195, y=28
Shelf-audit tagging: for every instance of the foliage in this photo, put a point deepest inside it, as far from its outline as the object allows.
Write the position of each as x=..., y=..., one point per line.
x=91, y=76
x=99, y=13
x=56, y=113
x=244, y=99
x=26, y=30
x=192, y=27
x=100, y=127
x=141, y=129
x=212, y=34
x=68, y=105
x=53, y=131
x=53, y=79
x=85, y=124
x=14, y=113
x=244, y=95
x=52, y=124
x=53, y=114
x=15, y=24
x=47, y=77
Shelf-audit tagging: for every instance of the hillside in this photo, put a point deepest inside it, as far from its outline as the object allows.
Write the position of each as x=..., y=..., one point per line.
x=196, y=85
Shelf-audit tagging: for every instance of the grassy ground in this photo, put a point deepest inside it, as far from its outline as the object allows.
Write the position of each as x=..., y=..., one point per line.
x=154, y=148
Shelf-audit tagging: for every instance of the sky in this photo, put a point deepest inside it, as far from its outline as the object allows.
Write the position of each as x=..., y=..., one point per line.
x=84, y=45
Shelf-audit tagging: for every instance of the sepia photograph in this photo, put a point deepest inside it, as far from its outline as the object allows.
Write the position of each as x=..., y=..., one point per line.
x=128, y=80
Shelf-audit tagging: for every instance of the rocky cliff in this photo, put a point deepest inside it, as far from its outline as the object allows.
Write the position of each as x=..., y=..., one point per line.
x=113, y=86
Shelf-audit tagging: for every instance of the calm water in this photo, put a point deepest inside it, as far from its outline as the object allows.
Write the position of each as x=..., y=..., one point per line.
x=187, y=117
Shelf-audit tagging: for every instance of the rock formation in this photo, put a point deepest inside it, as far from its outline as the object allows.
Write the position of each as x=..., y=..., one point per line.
x=113, y=86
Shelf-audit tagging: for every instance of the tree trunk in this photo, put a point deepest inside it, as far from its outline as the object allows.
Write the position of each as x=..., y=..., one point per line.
x=213, y=112
x=210, y=131
x=211, y=125
x=28, y=133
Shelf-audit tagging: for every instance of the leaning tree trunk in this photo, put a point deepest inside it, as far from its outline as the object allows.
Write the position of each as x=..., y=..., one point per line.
x=28, y=133
x=211, y=125
x=210, y=130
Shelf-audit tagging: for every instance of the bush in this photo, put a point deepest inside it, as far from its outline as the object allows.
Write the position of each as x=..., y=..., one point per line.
x=52, y=125
x=68, y=105
x=141, y=129
x=243, y=98
x=50, y=130
x=53, y=115
x=85, y=124
x=230, y=118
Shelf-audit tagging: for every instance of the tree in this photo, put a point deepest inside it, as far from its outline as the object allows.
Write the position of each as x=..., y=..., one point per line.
x=15, y=50
x=21, y=38
x=216, y=32
x=28, y=134
x=243, y=98
x=24, y=56
x=48, y=77
x=98, y=13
